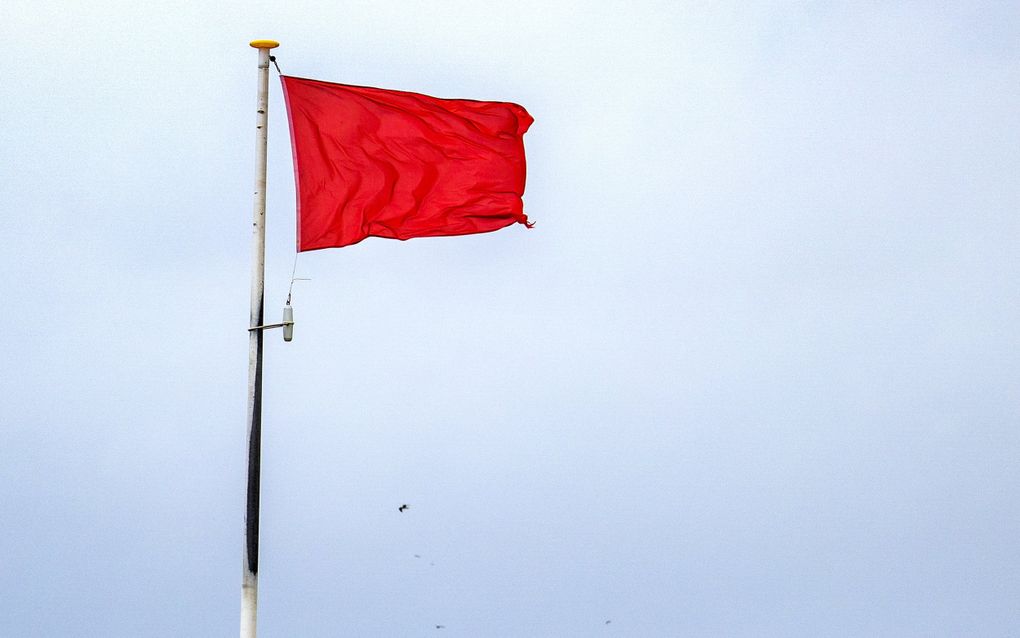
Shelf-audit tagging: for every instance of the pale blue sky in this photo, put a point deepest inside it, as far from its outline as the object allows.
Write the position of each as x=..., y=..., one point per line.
x=755, y=372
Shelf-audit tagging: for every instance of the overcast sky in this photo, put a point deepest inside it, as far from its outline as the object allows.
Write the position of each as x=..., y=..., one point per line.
x=755, y=371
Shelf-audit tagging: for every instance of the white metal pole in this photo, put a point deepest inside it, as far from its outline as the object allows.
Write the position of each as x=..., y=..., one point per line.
x=250, y=581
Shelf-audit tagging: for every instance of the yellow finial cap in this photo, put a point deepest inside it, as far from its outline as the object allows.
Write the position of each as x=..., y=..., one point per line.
x=264, y=44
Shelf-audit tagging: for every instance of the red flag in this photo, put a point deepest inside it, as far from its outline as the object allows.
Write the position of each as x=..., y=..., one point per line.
x=372, y=162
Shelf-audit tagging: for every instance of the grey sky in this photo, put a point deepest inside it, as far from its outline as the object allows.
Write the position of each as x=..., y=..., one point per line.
x=753, y=373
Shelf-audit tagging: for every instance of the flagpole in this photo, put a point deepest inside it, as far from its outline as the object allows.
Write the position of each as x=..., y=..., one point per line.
x=250, y=581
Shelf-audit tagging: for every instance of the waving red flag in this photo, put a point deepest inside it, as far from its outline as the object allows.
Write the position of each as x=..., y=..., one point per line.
x=373, y=162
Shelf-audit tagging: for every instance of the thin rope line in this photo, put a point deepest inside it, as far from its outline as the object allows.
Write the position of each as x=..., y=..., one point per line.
x=293, y=272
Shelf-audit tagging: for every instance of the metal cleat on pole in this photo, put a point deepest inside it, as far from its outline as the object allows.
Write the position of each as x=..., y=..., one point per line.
x=287, y=324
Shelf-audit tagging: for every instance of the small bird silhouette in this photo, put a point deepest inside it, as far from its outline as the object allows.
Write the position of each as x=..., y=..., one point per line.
x=403, y=507
x=440, y=626
x=608, y=621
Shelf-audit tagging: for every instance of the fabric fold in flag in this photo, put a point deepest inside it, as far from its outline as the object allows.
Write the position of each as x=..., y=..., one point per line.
x=372, y=162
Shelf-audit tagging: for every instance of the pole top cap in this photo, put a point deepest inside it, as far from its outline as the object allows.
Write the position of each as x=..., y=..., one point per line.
x=264, y=44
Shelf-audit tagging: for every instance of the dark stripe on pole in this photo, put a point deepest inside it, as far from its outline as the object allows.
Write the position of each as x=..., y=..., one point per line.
x=255, y=458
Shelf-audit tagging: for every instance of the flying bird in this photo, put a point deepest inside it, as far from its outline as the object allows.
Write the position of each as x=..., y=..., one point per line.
x=403, y=507
x=440, y=626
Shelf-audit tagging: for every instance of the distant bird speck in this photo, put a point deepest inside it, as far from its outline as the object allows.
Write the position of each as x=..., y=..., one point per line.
x=403, y=507
x=608, y=621
x=440, y=626
x=417, y=555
